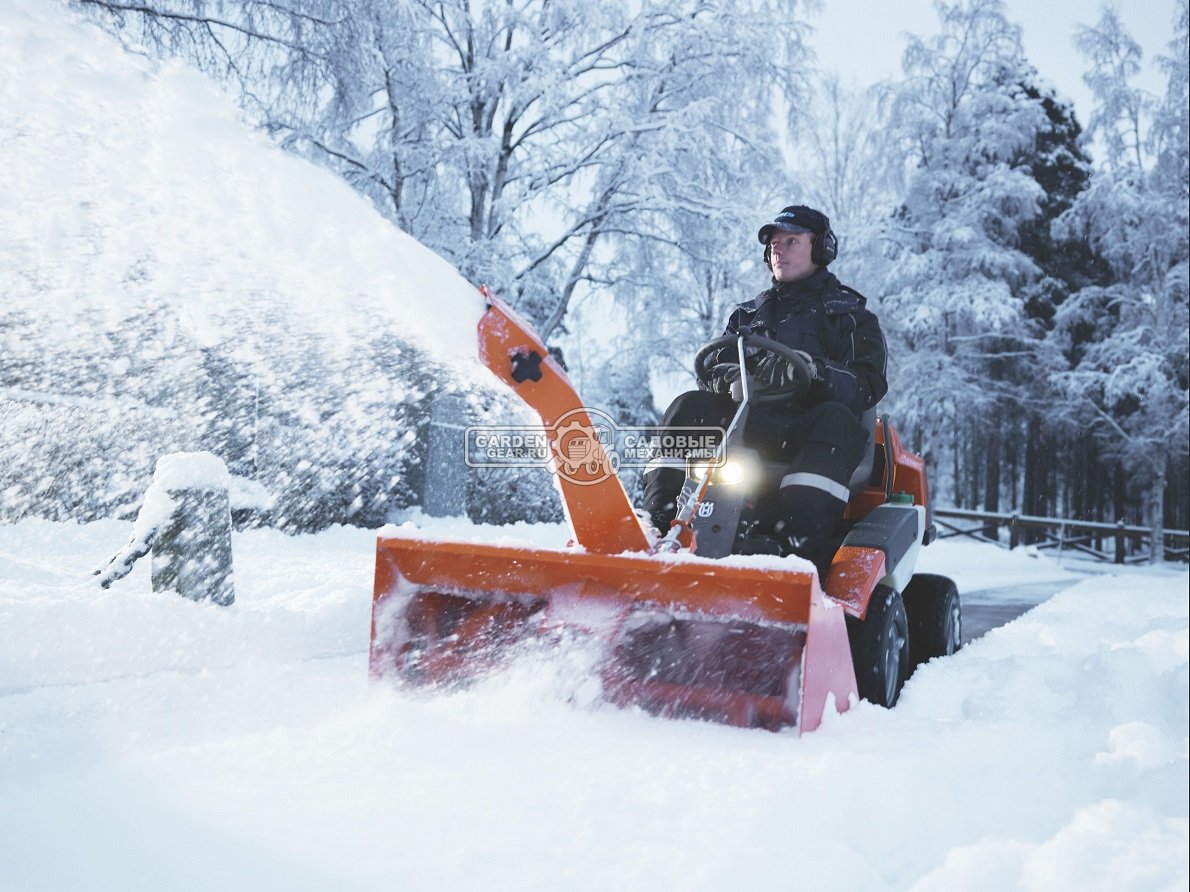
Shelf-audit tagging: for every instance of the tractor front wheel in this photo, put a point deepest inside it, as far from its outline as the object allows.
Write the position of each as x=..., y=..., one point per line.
x=935, y=618
x=880, y=647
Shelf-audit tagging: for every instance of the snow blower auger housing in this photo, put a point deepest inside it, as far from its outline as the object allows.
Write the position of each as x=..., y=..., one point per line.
x=752, y=641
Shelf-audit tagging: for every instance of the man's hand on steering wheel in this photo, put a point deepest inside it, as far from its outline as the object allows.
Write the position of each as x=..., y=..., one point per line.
x=788, y=373
x=775, y=371
x=722, y=376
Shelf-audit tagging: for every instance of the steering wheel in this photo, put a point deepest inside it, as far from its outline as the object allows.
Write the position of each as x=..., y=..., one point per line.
x=764, y=393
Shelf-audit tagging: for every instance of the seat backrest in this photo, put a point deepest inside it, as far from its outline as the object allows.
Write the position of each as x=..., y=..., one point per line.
x=863, y=472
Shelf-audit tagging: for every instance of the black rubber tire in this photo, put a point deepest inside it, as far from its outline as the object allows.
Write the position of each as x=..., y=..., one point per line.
x=880, y=648
x=935, y=618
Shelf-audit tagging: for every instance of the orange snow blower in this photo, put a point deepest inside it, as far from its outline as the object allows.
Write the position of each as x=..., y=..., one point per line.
x=690, y=626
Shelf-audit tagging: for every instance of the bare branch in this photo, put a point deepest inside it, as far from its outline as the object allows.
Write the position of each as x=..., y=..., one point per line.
x=207, y=21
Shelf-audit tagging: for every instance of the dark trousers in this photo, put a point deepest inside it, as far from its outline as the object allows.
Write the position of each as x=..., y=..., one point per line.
x=821, y=447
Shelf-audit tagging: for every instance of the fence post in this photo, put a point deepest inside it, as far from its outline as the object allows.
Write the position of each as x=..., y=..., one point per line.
x=1120, y=541
x=445, y=490
x=192, y=547
x=1014, y=533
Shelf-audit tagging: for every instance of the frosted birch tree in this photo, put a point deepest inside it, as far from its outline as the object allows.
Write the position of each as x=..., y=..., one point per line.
x=515, y=138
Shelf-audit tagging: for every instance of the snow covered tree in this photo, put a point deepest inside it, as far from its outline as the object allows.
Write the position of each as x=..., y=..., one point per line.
x=953, y=303
x=551, y=150
x=843, y=160
x=1126, y=340
x=1047, y=459
x=847, y=160
x=516, y=139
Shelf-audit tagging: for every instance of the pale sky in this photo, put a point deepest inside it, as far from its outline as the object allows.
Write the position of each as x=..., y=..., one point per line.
x=863, y=39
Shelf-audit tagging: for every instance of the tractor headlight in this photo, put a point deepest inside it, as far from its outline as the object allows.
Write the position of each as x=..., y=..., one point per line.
x=732, y=473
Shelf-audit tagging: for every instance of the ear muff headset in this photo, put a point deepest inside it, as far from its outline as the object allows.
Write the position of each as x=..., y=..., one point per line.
x=825, y=246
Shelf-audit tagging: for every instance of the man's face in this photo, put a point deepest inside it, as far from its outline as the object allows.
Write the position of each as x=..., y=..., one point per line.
x=789, y=253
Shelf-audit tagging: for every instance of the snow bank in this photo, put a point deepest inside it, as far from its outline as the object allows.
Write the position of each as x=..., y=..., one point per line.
x=168, y=744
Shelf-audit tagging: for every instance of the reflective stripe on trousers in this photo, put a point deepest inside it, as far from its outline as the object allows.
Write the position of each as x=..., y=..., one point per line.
x=817, y=481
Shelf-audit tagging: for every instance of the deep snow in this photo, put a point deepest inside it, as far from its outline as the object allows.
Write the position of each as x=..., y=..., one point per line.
x=147, y=742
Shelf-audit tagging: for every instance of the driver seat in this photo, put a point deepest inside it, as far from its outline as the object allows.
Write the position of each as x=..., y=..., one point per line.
x=860, y=480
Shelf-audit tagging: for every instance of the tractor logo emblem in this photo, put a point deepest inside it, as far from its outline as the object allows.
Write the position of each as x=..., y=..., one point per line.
x=585, y=446
x=583, y=450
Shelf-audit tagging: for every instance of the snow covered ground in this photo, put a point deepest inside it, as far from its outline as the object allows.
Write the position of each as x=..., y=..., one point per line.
x=148, y=742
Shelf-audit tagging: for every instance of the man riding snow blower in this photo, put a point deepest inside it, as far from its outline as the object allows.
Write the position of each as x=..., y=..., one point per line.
x=817, y=434
x=714, y=619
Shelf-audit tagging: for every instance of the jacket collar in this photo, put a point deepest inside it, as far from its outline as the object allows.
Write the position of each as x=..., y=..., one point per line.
x=814, y=284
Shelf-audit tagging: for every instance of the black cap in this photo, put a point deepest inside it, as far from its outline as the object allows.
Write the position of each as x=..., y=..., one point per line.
x=796, y=218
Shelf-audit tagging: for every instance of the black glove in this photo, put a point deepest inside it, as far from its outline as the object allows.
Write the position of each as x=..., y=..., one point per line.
x=772, y=371
x=816, y=366
x=722, y=376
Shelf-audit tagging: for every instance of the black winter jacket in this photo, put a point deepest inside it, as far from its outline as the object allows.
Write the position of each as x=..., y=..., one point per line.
x=829, y=321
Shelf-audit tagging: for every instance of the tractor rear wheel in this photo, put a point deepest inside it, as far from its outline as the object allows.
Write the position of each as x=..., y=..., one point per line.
x=935, y=618
x=880, y=647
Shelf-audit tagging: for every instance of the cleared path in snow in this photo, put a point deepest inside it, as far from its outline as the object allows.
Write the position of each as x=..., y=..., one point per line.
x=990, y=608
